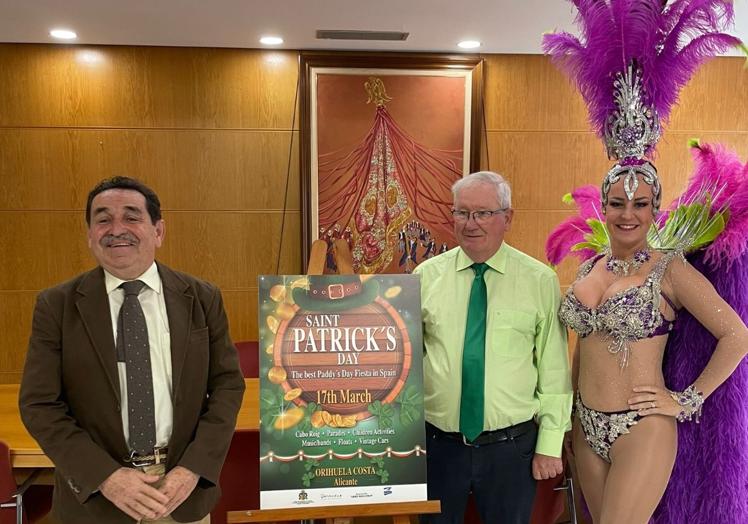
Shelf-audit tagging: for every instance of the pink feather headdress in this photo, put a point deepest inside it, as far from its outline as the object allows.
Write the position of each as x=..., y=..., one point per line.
x=666, y=44
x=630, y=63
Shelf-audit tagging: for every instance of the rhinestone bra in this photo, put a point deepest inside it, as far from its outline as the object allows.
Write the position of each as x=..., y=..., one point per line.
x=629, y=315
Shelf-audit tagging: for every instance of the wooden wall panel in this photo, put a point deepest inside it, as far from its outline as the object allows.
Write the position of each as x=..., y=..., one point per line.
x=716, y=99
x=41, y=249
x=231, y=249
x=227, y=248
x=241, y=308
x=16, y=308
x=526, y=92
x=159, y=87
x=537, y=136
x=189, y=169
x=562, y=161
x=543, y=166
x=210, y=130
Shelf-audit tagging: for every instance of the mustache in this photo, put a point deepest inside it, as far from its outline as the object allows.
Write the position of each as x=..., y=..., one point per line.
x=109, y=240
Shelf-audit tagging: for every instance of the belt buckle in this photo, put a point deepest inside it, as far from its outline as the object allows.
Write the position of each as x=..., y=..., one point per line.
x=335, y=291
x=138, y=463
x=158, y=457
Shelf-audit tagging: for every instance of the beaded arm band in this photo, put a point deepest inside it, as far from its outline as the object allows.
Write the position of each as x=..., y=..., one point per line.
x=690, y=401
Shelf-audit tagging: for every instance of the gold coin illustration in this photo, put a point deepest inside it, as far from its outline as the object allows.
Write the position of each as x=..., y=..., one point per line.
x=276, y=375
x=272, y=323
x=278, y=293
x=392, y=292
x=316, y=419
x=284, y=311
x=288, y=418
x=292, y=394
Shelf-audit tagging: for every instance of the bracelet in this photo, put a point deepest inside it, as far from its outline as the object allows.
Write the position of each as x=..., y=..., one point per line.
x=690, y=400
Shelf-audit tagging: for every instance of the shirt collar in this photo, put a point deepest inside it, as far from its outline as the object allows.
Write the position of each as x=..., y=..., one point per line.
x=150, y=277
x=497, y=262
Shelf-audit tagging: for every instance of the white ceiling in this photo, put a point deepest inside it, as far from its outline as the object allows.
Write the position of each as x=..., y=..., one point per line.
x=503, y=26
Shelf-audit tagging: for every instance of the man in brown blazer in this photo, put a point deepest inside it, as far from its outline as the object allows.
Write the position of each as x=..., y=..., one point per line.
x=91, y=404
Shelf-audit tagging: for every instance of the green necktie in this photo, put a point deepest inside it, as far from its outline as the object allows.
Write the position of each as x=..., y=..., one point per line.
x=474, y=358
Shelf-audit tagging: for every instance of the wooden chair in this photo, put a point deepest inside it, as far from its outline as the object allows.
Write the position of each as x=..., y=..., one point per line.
x=23, y=504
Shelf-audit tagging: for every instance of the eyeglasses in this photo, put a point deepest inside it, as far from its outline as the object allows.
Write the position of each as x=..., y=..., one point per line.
x=460, y=215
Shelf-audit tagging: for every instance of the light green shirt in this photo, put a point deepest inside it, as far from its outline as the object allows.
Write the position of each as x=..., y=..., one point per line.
x=527, y=368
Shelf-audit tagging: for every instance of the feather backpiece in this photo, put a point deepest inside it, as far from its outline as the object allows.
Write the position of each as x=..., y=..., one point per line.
x=666, y=44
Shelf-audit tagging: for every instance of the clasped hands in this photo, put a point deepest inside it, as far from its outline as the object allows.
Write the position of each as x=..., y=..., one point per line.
x=132, y=491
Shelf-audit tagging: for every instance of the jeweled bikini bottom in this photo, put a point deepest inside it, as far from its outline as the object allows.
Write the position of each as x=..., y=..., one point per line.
x=601, y=429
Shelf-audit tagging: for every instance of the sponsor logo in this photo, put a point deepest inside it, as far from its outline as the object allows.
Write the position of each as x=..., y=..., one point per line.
x=331, y=496
x=303, y=499
x=388, y=490
x=361, y=495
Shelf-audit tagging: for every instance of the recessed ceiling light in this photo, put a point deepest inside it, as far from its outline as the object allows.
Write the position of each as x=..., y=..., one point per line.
x=271, y=40
x=469, y=44
x=63, y=34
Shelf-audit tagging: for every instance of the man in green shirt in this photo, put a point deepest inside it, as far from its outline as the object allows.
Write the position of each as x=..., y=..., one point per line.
x=497, y=384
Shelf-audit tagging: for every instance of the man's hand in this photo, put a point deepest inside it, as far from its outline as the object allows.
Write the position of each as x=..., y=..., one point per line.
x=177, y=486
x=131, y=491
x=545, y=467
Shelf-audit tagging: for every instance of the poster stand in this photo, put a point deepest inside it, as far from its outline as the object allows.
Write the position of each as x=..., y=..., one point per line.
x=399, y=511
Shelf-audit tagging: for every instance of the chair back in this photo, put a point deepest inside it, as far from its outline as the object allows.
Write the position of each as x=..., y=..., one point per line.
x=249, y=358
x=7, y=487
x=36, y=499
x=7, y=480
x=240, y=476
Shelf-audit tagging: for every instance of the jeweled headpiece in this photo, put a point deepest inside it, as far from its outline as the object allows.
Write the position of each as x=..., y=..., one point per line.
x=631, y=61
x=630, y=131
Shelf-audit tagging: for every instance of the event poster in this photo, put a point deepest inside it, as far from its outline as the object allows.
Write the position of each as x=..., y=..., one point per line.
x=341, y=390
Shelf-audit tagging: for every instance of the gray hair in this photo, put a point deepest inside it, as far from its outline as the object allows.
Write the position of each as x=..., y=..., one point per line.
x=503, y=191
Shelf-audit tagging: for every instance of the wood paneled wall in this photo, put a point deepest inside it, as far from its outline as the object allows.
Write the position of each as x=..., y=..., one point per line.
x=538, y=137
x=212, y=131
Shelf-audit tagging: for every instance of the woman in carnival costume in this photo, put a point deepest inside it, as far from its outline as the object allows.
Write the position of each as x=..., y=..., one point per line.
x=633, y=58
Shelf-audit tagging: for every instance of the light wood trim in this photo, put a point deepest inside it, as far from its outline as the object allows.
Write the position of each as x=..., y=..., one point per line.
x=357, y=510
x=249, y=413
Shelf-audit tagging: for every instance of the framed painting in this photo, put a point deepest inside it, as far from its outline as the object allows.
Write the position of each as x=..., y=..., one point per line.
x=384, y=137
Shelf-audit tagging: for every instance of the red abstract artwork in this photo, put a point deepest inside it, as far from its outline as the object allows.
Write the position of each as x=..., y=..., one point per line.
x=387, y=149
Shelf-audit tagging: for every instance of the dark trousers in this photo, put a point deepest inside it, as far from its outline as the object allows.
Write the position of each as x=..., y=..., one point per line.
x=499, y=475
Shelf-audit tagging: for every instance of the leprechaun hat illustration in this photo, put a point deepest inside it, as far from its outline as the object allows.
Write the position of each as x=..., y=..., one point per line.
x=336, y=293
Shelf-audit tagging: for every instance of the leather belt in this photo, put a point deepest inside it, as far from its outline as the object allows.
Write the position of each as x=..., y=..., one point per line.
x=489, y=437
x=157, y=457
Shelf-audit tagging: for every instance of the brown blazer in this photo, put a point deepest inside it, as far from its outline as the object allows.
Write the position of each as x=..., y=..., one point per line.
x=70, y=396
